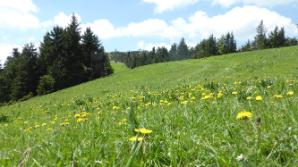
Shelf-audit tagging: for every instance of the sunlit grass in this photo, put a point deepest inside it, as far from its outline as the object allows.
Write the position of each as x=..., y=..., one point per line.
x=235, y=110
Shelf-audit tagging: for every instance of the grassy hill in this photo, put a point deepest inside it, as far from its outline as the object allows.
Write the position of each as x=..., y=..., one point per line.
x=191, y=107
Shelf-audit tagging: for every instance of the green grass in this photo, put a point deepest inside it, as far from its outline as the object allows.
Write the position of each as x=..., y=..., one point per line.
x=91, y=124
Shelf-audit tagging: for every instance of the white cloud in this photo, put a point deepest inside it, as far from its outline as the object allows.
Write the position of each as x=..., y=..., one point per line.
x=167, y=5
x=18, y=14
x=270, y=3
x=199, y=25
x=61, y=19
x=239, y=20
x=104, y=29
x=148, y=46
x=147, y=28
x=19, y=5
x=6, y=50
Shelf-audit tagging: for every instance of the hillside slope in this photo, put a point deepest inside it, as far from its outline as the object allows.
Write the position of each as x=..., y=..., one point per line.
x=270, y=63
x=91, y=123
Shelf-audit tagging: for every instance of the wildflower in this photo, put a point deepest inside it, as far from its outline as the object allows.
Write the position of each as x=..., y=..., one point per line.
x=277, y=96
x=237, y=82
x=248, y=98
x=234, y=93
x=122, y=122
x=181, y=98
x=207, y=96
x=79, y=120
x=241, y=157
x=37, y=126
x=244, y=115
x=184, y=102
x=116, y=108
x=259, y=98
x=220, y=95
x=136, y=138
x=143, y=131
x=28, y=129
x=65, y=123
x=290, y=93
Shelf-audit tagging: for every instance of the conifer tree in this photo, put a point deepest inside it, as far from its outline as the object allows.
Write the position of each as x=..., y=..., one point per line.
x=260, y=38
x=182, y=50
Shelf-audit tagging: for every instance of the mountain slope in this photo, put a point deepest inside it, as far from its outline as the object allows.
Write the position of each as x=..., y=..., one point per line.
x=191, y=106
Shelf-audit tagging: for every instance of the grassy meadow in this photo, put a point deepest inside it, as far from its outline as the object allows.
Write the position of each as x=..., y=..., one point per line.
x=234, y=110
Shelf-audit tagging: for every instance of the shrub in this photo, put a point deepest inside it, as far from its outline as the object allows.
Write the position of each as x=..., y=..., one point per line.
x=46, y=85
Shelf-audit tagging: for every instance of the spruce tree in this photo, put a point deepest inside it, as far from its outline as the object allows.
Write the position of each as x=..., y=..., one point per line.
x=173, y=52
x=27, y=73
x=182, y=50
x=96, y=61
x=73, y=59
x=260, y=38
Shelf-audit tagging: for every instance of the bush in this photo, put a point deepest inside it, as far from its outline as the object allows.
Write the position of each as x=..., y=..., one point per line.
x=46, y=85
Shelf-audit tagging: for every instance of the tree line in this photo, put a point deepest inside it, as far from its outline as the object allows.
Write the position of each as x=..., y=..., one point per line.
x=65, y=58
x=207, y=47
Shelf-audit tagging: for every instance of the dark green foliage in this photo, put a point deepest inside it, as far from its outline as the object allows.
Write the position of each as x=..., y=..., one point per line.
x=65, y=59
x=260, y=38
x=246, y=47
x=291, y=41
x=96, y=62
x=182, y=50
x=173, y=52
x=25, y=73
x=72, y=60
x=139, y=58
x=206, y=48
x=4, y=89
x=227, y=44
x=46, y=85
x=277, y=38
x=3, y=118
x=162, y=54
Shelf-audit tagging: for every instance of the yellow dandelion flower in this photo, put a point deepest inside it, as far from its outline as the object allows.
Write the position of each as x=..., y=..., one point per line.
x=290, y=93
x=136, y=138
x=278, y=96
x=259, y=98
x=122, y=122
x=28, y=129
x=116, y=108
x=143, y=131
x=244, y=115
x=77, y=115
x=234, y=93
x=184, y=102
x=84, y=114
x=36, y=126
x=64, y=123
x=79, y=120
x=220, y=95
x=248, y=98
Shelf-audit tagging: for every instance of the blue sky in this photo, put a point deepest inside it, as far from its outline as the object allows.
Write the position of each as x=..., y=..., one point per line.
x=142, y=24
